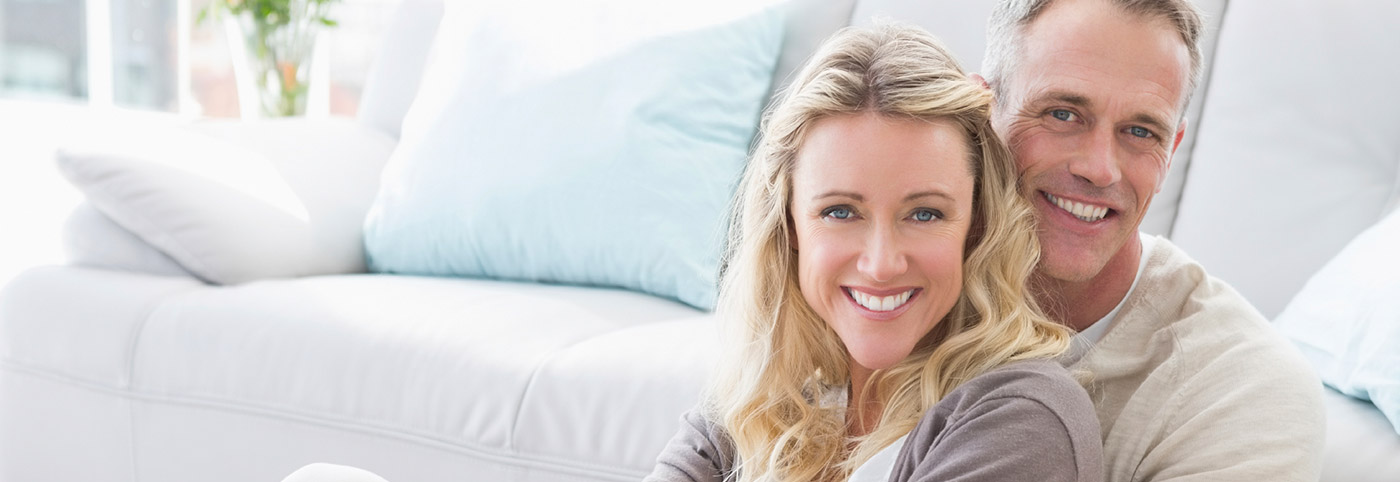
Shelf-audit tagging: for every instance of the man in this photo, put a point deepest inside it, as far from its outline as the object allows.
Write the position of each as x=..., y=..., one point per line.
x=1189, y=381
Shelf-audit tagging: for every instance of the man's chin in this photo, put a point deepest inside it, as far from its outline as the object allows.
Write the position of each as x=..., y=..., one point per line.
x=1070, y=266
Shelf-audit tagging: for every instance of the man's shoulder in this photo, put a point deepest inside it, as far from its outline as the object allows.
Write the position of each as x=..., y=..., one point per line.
x=1201, y=324
x=1179, y=299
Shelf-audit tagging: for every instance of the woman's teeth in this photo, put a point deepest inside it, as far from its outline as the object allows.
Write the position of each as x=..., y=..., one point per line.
x=1085, y=212
x=880, y=303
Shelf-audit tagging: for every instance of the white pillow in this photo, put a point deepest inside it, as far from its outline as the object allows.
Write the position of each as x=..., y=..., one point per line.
x=233, y=202
x=1346, y=320
x=93, y=239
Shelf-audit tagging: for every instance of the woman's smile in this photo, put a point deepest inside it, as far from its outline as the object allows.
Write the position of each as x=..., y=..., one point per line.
x=882, y=307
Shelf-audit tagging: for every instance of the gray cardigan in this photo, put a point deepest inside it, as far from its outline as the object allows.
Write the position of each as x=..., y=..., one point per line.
x=1028, y=420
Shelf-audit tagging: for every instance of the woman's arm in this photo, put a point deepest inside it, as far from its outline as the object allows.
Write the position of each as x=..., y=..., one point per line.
x=1025, y=421
x=699, y=452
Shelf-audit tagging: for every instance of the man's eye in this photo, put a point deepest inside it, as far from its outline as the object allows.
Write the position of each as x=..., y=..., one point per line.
x=1063, y=115
x=926, y=215
x=838, y=212
x=1139, y=132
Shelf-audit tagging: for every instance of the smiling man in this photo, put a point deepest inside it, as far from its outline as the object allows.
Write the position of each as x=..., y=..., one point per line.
x=1189, y=381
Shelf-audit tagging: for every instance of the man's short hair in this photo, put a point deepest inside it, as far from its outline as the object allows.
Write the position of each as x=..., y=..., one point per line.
x=1006, y=31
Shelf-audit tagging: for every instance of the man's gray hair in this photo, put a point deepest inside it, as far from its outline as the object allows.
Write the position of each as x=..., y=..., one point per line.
x=1006, y=31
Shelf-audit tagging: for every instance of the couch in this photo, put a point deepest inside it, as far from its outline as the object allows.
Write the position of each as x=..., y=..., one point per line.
x=213, y=326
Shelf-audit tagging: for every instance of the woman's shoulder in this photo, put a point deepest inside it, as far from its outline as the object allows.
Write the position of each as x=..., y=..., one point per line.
x=1034, y=409
x=1036, y=379
x=1028, y=386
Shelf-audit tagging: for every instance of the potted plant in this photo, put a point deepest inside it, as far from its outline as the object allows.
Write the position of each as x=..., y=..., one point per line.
x=279, y=37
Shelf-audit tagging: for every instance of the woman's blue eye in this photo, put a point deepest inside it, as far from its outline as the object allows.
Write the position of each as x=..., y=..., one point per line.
x=1062, y=114
x=926, y=215
x=1139, y=132
x=837, y=213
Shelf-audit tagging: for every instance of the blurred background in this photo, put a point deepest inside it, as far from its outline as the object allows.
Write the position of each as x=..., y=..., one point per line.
x=152, y=55
x=70, y=66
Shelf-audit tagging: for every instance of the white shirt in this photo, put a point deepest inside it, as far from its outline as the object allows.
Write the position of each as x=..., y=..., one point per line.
x=881, y=465
x=1086, y=339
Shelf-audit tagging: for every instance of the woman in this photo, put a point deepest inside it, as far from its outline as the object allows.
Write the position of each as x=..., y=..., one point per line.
x=874, y=292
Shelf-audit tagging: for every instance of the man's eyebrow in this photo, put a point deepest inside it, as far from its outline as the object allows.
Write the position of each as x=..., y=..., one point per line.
x=1066, y=97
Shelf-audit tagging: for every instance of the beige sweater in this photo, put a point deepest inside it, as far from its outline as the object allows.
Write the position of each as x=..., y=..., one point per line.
x=1192, y=384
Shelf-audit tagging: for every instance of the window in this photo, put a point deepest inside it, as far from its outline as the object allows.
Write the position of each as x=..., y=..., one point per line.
x=150, y=55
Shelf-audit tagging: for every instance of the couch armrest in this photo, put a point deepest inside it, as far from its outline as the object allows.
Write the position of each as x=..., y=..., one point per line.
x=234, y=201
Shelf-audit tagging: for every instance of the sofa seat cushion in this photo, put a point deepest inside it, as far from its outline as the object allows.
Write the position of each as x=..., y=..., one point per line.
x=572, y=379
x=80, y=325
x=1360, y=445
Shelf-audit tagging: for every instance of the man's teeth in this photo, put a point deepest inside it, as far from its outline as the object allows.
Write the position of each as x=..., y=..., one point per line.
x=881, y=303
x=1085, y=212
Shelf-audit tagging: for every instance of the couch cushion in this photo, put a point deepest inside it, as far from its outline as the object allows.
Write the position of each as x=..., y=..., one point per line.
x=538, y=374
x=612, y=399
x=234, y=202
x=1360, y=445
x=1297, y=151
x=81, y=324
x=546, y=149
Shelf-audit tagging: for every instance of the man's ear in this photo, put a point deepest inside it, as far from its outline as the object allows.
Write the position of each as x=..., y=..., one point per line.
x=1180, y=134
x=980, y=80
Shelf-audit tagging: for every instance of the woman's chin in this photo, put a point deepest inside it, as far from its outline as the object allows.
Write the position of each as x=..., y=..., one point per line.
x=877, y=361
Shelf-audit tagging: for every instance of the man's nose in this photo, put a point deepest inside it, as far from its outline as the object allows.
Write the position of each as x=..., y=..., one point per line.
x=1097, y=161
x=883, y=258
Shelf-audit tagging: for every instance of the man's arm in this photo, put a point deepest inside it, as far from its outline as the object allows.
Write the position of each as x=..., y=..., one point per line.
x=1255, y=416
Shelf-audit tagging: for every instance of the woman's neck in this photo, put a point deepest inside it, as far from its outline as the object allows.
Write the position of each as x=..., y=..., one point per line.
x=862, y=409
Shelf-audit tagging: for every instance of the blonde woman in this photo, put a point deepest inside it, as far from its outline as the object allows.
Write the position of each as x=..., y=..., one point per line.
x=875, y=292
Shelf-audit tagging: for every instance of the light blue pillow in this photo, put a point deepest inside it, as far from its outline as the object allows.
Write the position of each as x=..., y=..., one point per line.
x=1346, y=320
x=576, y=152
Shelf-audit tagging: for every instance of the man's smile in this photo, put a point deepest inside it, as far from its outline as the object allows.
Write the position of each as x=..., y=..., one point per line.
x=1085, y=212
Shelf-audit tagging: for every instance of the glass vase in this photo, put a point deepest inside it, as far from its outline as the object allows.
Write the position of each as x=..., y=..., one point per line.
x=277, y=59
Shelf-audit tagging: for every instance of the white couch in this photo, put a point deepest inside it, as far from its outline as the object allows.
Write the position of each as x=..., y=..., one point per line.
x=128, y=364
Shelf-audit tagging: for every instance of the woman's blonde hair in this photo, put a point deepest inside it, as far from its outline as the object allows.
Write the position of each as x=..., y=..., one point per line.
x=780, y=357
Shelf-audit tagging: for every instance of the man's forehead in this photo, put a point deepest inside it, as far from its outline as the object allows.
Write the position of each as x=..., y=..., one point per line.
x=1084, y=50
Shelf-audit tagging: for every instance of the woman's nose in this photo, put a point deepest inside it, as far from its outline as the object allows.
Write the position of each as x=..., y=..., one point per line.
x=882, y=258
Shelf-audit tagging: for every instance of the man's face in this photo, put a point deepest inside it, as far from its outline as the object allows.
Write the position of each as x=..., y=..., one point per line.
x=1091, y=113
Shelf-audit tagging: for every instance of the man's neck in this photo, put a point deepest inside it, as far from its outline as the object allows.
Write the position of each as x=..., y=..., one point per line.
x=1079, y=304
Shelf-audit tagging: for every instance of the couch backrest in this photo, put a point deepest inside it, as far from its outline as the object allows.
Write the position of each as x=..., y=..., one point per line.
x=1299, y=145
x=393, y=80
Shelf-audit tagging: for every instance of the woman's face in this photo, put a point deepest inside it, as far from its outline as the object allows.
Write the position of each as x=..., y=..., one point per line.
x=881, y=208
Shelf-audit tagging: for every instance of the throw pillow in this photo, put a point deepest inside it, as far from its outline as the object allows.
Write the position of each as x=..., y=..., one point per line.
x=597, y=144
x=1346, y=320
x=229, y=213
